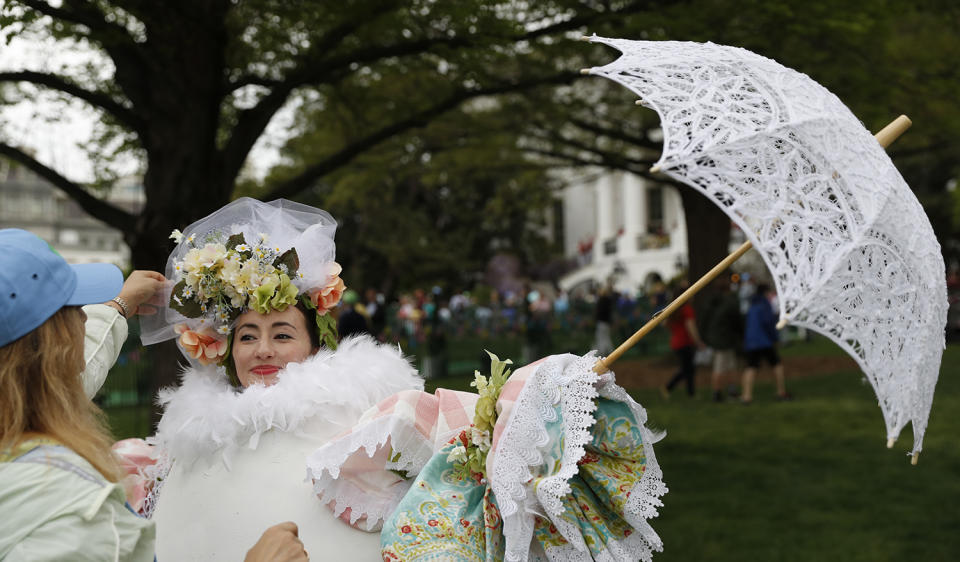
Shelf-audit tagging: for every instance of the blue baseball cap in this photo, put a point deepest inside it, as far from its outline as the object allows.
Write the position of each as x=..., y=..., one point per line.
x=35, y=282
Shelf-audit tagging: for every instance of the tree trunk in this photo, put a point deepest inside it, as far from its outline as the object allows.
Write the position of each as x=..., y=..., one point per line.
x=708, y=239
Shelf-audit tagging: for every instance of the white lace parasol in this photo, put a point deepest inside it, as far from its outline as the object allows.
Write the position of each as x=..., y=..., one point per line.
x=850, y=249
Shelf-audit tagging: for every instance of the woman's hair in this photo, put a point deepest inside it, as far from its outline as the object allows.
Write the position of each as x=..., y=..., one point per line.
x=41, y=391
x=309, y=318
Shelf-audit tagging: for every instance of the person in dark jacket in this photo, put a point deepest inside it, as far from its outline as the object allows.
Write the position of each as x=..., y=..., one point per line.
x=723, y=332
x=351, y=322
x=760, y=344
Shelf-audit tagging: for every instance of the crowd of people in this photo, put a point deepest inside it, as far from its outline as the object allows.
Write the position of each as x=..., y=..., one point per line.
x=734, y=336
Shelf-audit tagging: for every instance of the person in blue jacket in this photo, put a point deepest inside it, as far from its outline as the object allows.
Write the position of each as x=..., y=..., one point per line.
x=760, y=344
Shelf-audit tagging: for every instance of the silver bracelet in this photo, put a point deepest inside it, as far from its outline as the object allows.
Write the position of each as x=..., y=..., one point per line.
x=123, y=306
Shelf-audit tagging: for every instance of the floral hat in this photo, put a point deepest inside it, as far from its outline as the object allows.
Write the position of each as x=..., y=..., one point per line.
x=248, y=255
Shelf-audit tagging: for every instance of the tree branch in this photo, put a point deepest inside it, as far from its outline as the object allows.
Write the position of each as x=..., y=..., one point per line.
x=346, y=154
x=252, y=122
x=593, y=17
x=97, y=208
x=70, y=16
x=330, y=40
x=616, y=134
x=96, y=99
x=607, y=159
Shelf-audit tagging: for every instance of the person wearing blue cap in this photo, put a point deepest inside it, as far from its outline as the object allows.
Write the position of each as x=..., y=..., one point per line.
x=59, y=481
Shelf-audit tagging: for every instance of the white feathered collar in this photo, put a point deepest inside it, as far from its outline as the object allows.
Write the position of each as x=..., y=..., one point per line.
x=205, y=415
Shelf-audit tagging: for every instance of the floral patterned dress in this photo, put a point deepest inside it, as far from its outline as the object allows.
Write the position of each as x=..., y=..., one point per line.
x=567, y=472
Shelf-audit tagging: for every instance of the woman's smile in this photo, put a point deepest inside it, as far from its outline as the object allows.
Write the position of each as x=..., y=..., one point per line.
x=265, y=370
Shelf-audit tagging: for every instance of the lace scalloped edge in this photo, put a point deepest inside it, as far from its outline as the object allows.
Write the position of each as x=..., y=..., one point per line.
x=324, y=464
x=361, y=504
x=157, y=474
x=645, y=495
x=637, y=546
x=415, y=450
x=524, y=434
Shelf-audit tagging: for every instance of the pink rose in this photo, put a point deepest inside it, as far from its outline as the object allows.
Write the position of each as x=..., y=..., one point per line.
x=204, y=346
x=135, y=455
x=328, y=296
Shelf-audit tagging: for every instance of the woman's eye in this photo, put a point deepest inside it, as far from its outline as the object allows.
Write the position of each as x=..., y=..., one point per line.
x=284, y=337
x=246, y=337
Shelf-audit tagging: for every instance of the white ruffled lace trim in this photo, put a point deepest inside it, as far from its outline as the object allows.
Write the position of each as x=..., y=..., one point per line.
x=156, y=475
x=645, y=496
x=567, y=380
x=571, y=382
x=324, y=464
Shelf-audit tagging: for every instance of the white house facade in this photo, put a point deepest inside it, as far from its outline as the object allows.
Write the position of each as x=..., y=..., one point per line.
x=623, y=229
x=31, y=203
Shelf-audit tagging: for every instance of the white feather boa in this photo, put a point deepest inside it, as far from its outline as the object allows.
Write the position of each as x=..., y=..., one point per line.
x=206, y=417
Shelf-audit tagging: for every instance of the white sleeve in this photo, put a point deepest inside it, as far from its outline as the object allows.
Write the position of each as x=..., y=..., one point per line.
x=106, y=330
x=107, y=533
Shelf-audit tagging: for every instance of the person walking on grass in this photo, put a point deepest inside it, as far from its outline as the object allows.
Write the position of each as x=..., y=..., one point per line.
x=723, y=331
x=684, y=341
x=760, y=344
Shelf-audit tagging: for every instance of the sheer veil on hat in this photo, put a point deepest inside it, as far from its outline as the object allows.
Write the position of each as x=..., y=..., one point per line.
x=283, y=224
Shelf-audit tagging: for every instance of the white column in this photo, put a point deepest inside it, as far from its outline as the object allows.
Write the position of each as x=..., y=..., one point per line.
x=605, y=226
x=674, y=220
x=634, y=198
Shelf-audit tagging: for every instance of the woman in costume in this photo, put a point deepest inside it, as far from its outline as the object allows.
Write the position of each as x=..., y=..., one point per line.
x=253, y=286
x=553, y=462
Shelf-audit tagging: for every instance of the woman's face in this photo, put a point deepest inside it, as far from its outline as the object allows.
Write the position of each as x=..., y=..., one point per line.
x=264, y=343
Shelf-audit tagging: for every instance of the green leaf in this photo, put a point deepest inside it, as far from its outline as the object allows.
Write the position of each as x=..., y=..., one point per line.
x=290, y=260
x=187, y=306
x=305, y=299
x=235, y=240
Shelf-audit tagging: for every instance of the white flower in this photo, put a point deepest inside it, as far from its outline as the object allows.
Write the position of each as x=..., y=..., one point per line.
x=480, y=438
x=225, y=330
x=177, y=299
x=242, y=248
x=176, y=236
x=263, y=237
x=457, y=454
x=191, y=238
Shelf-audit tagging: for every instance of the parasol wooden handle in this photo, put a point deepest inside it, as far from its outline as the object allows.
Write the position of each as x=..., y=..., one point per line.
x=891, y=132
x=603, y=365
x=885, y=137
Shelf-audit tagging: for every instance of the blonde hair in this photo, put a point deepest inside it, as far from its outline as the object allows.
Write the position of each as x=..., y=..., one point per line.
x=41, y=391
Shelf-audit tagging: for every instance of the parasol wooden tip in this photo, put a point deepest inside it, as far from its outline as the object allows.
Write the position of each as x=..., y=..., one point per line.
x=890, y=442
x=601, y=367
x=915, y=458
x=638, y=102
x=655, y=169
x=584, y=71
x=782, y=324
x=897, y=127
x=584, y=37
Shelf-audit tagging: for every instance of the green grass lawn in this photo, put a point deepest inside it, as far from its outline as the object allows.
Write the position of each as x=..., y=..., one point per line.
x=806, y=480
x=810, y=479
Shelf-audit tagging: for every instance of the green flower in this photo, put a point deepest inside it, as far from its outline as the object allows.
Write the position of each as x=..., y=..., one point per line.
x=286, y=294
x=485, y=414
x=260, y=298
